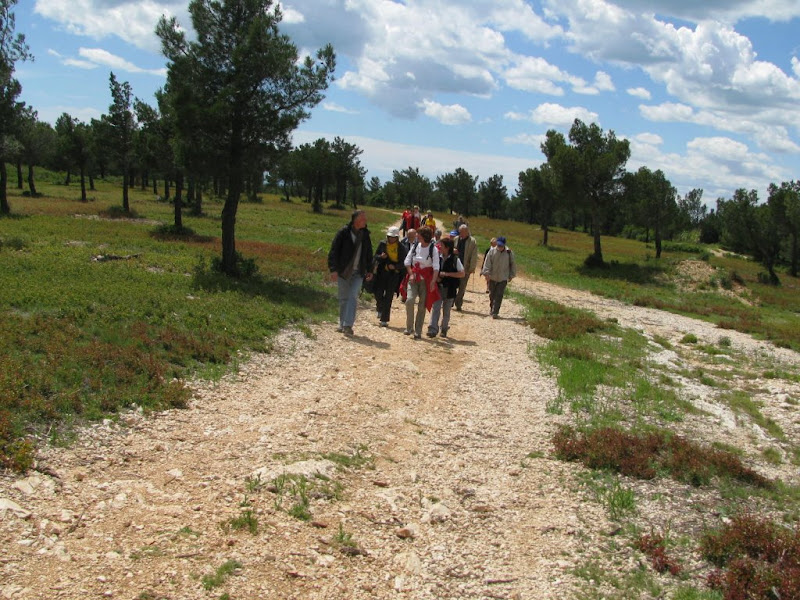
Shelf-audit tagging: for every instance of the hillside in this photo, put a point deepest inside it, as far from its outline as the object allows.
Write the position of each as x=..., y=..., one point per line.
x=418, y=469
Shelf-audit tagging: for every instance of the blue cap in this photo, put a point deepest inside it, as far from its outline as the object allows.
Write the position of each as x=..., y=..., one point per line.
x=501, y=241
x=454, y=232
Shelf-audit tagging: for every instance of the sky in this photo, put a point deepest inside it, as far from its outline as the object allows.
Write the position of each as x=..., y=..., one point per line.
x=708, y=92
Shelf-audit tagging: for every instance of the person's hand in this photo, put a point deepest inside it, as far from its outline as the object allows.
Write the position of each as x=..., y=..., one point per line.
x=384, y=255
x=391, y=267
x=369, y=277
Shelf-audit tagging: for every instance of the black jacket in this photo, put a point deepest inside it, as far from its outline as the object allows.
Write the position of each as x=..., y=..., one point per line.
x=342, y=249
x=383, y=263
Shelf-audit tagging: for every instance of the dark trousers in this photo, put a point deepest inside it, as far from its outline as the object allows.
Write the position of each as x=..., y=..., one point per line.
x=496, y=291
x=385, y=287
x=462, y=287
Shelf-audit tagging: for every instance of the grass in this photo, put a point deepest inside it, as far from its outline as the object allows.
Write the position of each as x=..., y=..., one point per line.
x=586, y=353
x=608, y=490
x=221, y=575
x=741, y=402
x=246, y=521
x=84, y=339
x=632, y=276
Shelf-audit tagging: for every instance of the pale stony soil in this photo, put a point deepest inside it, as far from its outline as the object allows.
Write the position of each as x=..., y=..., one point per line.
x=451, y=505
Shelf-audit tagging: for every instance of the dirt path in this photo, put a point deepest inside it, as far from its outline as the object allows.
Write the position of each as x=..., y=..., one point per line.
x=450, y=504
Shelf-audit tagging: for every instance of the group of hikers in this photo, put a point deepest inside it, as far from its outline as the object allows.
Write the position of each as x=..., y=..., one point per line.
x=427, y=268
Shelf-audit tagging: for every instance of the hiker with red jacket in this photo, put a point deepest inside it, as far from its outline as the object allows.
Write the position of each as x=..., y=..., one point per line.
x=422, y=268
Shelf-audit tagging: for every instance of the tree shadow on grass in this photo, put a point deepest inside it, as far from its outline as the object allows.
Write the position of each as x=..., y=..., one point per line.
x=630, y=272
x=274, y=290
x=168, y=233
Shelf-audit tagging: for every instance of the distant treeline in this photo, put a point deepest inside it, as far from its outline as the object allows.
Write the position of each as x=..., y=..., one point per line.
x=222, y=125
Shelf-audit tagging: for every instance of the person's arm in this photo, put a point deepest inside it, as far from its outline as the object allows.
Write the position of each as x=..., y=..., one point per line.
x=512, y=266
x=473, y=256
x=436, y=261
x=333, y=255
x=459, y=274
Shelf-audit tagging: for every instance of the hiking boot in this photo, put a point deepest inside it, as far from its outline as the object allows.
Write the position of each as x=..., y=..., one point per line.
x=417, y=336
x=443, y=333
x=347, y=330
x=339, y=329
x=431, y=333
x=494, y=315
x=406, y=332
x=458, y=309
x=384, y=324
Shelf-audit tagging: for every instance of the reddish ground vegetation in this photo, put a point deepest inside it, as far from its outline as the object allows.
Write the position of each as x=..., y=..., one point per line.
x=756, y=558
x=646, y=455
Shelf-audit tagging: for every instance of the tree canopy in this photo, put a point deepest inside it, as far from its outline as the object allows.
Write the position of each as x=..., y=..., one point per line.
x=246, y=88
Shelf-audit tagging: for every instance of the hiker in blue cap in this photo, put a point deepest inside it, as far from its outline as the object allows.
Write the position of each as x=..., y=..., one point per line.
x=499, y=268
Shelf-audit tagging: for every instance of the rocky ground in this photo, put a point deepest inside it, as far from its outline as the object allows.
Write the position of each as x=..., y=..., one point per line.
x=422, y=467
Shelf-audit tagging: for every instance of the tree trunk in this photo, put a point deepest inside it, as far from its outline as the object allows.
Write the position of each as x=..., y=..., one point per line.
x=178, y=201
x=4, y=207
x=83, y=184
x=166, y=188
x=19, y=174
x=91, y=181
x=145, y=176
x=190, y=193
x=68, y=178
x=31, y=182
x=125, y=204
x=155, y=186
x=658, y=242
x=794, y=255
x=198, y=201
x=235, y=156
x=597, y=257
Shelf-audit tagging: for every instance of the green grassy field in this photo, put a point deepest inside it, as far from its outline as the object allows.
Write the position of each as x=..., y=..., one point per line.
x=84, y=338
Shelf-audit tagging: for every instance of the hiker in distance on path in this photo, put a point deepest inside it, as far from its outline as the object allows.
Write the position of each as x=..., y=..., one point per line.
x=389, y=257
x=451, y=272
x=349, y=262
x=467, y=250
x=422, y=268
x=429, y=222
x=411, y=220
x=499, y=269
x=409, y=240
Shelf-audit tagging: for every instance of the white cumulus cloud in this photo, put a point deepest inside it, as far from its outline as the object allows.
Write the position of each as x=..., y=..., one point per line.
x=453, y=114
x=555, y=114
x=639, y=92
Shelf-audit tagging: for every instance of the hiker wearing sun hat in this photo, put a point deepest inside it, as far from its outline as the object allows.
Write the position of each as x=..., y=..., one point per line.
x=389, y=271
x=499, y=268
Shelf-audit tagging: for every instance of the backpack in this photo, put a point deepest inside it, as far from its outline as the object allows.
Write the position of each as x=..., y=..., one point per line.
x=413, y=250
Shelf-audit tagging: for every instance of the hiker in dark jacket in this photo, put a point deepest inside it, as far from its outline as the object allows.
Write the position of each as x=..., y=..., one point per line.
x=389, y=258
x=349, y=262
x=451, y=272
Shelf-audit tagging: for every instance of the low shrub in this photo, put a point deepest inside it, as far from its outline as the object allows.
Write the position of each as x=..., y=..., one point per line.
x=645, y=455
x=755, y=558
x=654, y=546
